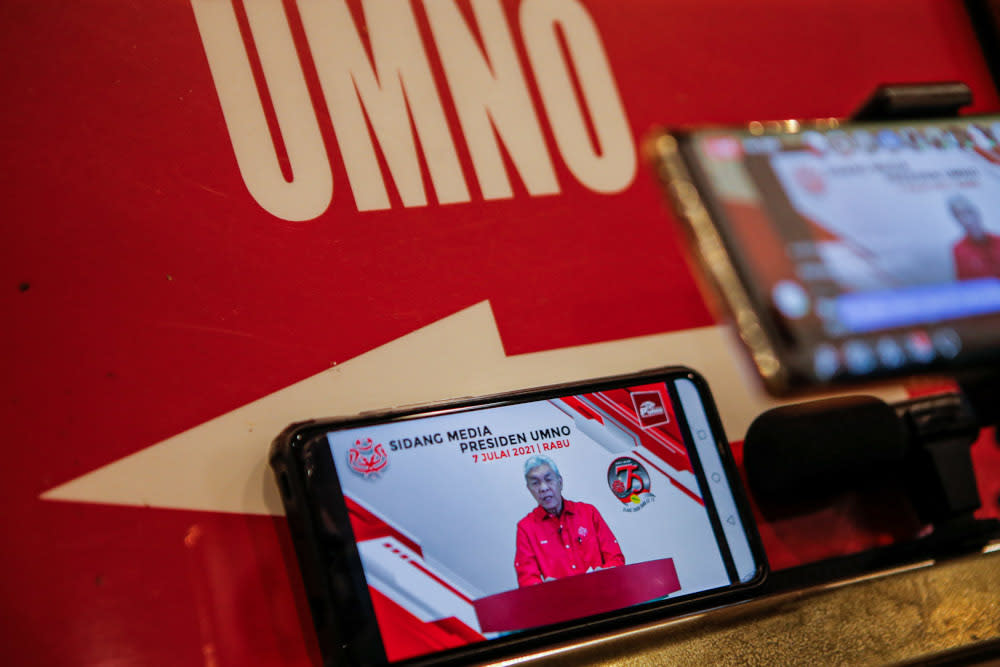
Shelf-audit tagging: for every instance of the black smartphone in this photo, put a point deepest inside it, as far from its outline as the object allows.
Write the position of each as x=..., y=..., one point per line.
x=847, y=251
x=473, y=529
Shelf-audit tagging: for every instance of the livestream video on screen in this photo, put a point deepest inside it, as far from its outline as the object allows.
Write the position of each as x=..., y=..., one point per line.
x=476, y=524
x=885, y=238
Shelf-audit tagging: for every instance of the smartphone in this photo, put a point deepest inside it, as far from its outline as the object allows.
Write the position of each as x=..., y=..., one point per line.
x=847, y=251
x=484, y=527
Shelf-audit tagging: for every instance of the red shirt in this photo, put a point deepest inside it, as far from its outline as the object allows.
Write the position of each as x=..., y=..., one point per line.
x=977, y=259
x=571, y=543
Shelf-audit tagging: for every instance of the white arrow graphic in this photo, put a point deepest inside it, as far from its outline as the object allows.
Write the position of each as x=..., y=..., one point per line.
x=221, y=465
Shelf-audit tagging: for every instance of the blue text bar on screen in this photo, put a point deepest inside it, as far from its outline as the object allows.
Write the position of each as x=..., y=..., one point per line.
x=860, y=312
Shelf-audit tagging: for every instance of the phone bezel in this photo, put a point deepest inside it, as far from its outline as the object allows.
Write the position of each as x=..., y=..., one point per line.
x=331, y=566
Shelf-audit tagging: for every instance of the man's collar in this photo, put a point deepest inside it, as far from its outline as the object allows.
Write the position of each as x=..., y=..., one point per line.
x=569, y=507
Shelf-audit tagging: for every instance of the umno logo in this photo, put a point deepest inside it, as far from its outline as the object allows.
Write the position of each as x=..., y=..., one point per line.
x=367, y=459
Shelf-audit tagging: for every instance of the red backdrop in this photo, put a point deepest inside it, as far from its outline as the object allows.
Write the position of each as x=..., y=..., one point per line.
x=145, y=291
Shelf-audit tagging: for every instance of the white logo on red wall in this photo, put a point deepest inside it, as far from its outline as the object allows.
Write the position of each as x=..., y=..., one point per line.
x=368, y=459
x=650, y=407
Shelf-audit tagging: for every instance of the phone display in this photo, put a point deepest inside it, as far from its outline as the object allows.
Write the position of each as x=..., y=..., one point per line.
x=427, y=534
x=861, y=250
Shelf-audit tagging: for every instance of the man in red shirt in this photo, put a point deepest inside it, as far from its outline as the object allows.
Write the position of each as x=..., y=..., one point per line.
x=977, y=254
x=560, y=538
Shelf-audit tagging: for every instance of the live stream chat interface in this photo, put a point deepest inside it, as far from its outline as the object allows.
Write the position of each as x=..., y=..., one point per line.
x=871, y=229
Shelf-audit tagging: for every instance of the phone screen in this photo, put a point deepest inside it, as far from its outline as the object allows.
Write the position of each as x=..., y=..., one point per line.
x=475, y=524
x=869, y=248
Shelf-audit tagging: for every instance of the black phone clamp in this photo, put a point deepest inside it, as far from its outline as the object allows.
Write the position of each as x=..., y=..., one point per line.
x=802, y=455
x=901, y=101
